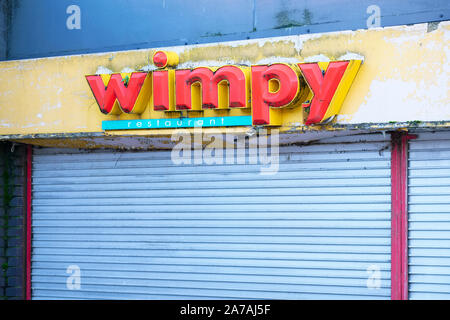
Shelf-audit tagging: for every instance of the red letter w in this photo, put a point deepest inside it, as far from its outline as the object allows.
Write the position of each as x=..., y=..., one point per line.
x=118, y=90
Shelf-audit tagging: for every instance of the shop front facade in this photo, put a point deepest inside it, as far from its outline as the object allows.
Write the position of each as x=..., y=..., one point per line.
x=298, y=167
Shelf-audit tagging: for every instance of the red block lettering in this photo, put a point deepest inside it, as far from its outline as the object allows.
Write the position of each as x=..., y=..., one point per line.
x=116, y=90
x=263, y=99
x=322, y=86
x=161, y=90
x=237, y=86
x=185, y=79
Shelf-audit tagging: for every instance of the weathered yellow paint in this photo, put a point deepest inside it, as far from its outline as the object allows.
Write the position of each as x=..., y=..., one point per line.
x=51, y=95
x=342, y=89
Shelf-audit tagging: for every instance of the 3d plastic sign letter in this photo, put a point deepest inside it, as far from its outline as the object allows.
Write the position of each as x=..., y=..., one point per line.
x=232, y=82
x=329, y=87
x=116, y=94
x=273, y=87
x=163, y=90
x=193, y=89
x=260, y=91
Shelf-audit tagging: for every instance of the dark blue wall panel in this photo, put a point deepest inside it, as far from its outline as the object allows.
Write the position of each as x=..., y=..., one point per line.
x=3, y=29
x=330, y=15
x=38, y=27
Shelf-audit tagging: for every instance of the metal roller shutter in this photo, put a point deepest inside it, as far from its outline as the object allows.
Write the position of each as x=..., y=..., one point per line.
x=140, y=227
x=429, y=216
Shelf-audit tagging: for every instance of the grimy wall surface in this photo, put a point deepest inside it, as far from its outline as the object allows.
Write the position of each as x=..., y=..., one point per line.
x=12, y=232
x=54, y=28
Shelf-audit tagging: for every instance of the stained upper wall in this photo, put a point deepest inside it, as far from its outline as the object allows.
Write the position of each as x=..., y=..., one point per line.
x=50, y=28
x=404, y=78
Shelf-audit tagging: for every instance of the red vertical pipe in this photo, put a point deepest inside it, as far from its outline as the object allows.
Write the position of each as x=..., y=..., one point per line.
x=396, y=221
x=399, y=215
x=28, y=223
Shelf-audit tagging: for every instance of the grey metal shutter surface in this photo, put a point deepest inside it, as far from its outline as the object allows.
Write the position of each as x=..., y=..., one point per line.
x=429, y=216
x=140, y=227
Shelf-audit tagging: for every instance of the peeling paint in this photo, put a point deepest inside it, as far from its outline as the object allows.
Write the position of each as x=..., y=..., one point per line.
x=212, y=63
x=272, y=60
x=127, y=70
x=5, y=124
x=432, y=26
x=48, y=107
x=103, y=70
x=351, y=56
x=317, y=58
x=148, y=68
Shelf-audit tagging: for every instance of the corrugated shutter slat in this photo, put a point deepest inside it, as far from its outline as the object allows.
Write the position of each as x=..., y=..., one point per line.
x=140, y=227
x=429, y=216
